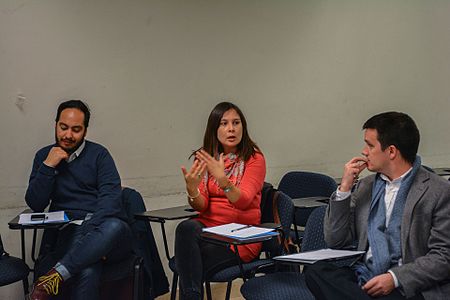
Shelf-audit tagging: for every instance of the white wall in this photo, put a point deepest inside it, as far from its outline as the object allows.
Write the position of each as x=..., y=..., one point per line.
x=307, y=74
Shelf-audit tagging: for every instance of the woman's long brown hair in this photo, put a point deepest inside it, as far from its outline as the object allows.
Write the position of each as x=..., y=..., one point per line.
x=211, y=143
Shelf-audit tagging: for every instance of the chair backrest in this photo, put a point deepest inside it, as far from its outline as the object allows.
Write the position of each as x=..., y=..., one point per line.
x=284, y=215
x=298, y=184
x=144, y=242
x=285, y=209
x=266, y=206
x=276, y=207
x=314, y=238
x=2, y=250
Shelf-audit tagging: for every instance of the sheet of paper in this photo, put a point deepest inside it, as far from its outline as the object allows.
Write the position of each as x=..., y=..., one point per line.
x=240, y=231
x=49, y=217
x=311, y=257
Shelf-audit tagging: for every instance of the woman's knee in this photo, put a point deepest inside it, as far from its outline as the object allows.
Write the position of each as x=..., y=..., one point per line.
x=188, y=227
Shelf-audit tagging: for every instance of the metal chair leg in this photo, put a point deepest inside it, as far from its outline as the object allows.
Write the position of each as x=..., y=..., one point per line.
x=229, y=284
x=137, y=280
x=25, y=287
x=173, y=292
x=208, y=290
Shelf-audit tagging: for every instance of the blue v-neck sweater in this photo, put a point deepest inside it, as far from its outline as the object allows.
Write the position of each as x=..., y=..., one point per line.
x=88, y=184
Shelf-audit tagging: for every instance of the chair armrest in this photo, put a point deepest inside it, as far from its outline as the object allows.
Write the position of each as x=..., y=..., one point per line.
x=350, y=247
x=171, y=213
x=224, y=240
x=14, y=223
x=275, y=226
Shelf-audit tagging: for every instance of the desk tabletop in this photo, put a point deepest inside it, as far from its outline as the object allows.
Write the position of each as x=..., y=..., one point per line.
x=235, y=241
x=310, y=202
x=171, y=213
x=443, y=171
x=14, y=223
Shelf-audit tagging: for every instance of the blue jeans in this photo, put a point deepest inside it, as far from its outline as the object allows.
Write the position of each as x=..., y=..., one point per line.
x=83, y=248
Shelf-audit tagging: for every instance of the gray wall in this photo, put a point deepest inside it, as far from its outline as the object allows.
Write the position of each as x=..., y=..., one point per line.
x=307, y=74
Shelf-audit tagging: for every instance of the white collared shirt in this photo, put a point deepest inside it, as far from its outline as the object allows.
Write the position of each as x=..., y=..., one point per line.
x=76, y=153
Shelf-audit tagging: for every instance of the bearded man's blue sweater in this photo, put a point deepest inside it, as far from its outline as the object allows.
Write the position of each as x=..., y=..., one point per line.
x=88, y=184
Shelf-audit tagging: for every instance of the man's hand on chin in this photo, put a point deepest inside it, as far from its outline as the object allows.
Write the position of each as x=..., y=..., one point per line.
x=380, y=285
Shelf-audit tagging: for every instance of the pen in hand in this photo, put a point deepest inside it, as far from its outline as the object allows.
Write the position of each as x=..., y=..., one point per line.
x=240, y=228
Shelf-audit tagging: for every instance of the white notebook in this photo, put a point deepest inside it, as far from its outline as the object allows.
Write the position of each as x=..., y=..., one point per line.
x=311, y=257
x=239, y=231
x=43, y=218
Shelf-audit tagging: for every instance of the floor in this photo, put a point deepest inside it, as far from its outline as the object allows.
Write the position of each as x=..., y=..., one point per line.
x=218, y=291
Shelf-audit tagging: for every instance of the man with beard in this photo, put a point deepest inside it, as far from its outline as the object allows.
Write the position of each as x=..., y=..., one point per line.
x=80, y=178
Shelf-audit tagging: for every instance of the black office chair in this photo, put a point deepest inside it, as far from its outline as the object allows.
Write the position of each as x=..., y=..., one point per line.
x=283, y=211
x=271, y=201
x=297, y=184
x=289, y=285
x=13, y=269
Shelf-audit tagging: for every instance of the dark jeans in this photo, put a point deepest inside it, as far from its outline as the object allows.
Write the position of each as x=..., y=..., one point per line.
x=196, y=259
x=82, y=250
x=327, y=281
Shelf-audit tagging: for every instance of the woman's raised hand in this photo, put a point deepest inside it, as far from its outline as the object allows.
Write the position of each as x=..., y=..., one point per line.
x=215, y=167
x=193, y=177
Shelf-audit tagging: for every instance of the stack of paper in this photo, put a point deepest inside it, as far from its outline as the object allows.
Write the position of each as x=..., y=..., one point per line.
x=239, y=231
x=43, y=218
x=311, y=257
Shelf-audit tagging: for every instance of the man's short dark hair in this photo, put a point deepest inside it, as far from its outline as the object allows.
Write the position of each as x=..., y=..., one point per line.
x=78, y=104
x=397, y=129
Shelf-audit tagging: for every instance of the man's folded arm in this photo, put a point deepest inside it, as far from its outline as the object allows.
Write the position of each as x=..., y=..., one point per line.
x=40, y=185
x=109, y=190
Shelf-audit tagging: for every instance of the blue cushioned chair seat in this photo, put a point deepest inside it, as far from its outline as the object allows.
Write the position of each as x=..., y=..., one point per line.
x=12, y=269
x=234, y=272
x=230, y=273
x=285, y=285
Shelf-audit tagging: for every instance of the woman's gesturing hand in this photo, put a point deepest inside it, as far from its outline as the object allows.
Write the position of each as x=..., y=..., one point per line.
x=215, y=167
x=193, y=177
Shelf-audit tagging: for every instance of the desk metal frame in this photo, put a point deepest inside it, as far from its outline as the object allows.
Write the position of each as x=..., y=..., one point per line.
x=167, y=214
x=14, y=225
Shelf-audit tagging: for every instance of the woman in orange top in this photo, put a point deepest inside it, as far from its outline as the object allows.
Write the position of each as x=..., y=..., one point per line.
x=224, y=185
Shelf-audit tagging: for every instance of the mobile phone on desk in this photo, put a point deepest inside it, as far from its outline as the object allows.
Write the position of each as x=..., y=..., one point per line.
x=38, y=217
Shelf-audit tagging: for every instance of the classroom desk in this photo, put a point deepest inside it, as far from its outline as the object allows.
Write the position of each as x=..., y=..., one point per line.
x=167, y=214
x=442, y=171
x=235, y=242
x=14, y=225
x=310, y=202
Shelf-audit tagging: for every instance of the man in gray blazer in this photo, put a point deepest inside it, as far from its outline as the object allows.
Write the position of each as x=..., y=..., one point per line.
x=400, y=216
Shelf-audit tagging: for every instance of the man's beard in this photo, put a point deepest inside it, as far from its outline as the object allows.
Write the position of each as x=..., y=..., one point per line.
x=71, y=149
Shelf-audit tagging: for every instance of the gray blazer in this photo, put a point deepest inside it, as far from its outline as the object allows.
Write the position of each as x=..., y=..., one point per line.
x=425, y=232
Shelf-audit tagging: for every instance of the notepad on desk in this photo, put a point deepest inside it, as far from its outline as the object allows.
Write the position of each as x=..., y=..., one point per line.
x=43, y=218
x=311, y=257
x=239, y=231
